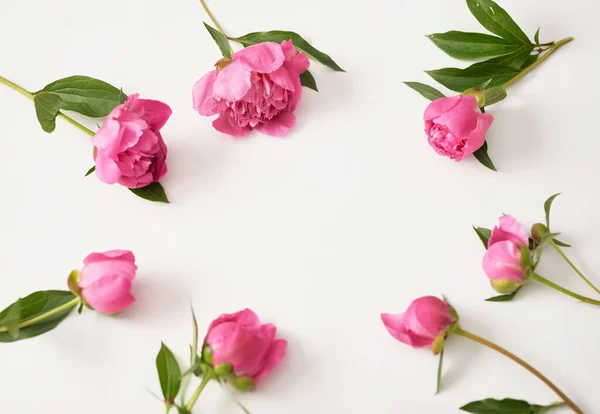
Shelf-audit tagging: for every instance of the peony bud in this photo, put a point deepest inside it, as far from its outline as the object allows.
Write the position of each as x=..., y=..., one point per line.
x=504, y=265
x=538, y=230
x=509, y=228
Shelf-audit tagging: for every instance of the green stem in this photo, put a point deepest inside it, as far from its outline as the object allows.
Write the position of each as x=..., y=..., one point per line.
x=207, y=377
x=46, y=315
x=564, y=256
x=565, y=291
x=529, y=68
x=568, y=402
x=31, y=95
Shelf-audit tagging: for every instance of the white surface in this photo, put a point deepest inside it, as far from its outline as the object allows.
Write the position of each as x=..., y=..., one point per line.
x=351, y=215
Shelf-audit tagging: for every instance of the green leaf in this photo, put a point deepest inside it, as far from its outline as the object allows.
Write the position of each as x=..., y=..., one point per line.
x=561, y=244
x=484, y=235
x=220, y=39
x=546, y=239
x=182, y=410
x=483, y=157
x=152, y=192
x=472, y=46
x=514, y=60
x=503, y=298
x=547, y=206
x=439, y=372
x=88, y=96
x=460, y=79
x=12, y=319
x=35, y=305
x=194, y=350
x=91, y=170
x=279, y=36
x=122, y=97
x=497, y=20
x=484, y=85
x=308, y=80
x=494, y=95
x=47, y=106
x=536, y=36
x=169, y=373
x=505, y=406
x=425, y=90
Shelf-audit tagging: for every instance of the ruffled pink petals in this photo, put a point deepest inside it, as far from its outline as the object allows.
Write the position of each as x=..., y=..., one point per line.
x=279, y=126
x=509, y=229
x=156, y=113
x=283, y=78
x=202, y=93
x=225, y=124
x=107, y=170
x=263, y=57
x=295, y=62
x=232, y=82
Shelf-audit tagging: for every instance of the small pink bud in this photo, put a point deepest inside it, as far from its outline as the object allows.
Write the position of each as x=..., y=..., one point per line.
x=503, y=265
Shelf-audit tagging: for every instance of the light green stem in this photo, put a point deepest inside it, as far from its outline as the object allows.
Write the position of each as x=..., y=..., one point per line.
x=207, y=377
x=568, y=402
x=546, y=55
x=46, y=315
x=565, y=291
x=214, y=21
x=30, y=95
x=564, y=256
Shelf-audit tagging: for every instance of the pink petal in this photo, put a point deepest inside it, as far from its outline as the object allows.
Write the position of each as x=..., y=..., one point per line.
x=107, y=170
x=156, y=113
x=273, y=359
x=395, y=325
x=427, y=317
x=202, y=93
x=477, y=136
x=108, y=295
x=502, y=261
x=279, y=126
x=263, y=57
x=232, y=82
x=283, y=78
x=246, y=317
x=462, y=119
x=439, y=107
x=161, y=159
x=97, y=270
x=294, y=61
x=110, y=254
x=108, y=136
x=223, y=125
x=509, y=229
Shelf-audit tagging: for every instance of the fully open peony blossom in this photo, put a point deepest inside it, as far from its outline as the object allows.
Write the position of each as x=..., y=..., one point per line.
x=455, y=126
x=129, y=147
x=259, y=87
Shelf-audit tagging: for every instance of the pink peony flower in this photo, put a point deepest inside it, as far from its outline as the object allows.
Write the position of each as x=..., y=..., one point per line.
x=455, y=126
x=105, y=280
x=130, y=149
x=259, y=87
x=240, y=340
x=425, y=319
x=509, y=229
x=502, y=264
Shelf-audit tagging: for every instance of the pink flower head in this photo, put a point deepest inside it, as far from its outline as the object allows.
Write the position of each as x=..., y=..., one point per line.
x=240, y=340
x=509, y=228
x=503, y=265
x=105, y=280
x=455, y=126
x=258, y=88
x=425, y=319
x=130, y=149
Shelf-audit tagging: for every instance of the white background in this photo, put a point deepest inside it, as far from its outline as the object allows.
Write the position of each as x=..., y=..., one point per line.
x=351, y=215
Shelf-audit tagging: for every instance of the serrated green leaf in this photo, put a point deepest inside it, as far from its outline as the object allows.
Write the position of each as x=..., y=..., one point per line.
x=536, y=36
x=497, y=20
x=151, y=192
x=308, y=80
x=279, y=36
x=494, y=95
x=169, y=373
x=220, y=39
x=12, y=318
x=37, y=304
x=482, y=156
x=439, y=372
x=472, y=46
x=425, y=90
x=547, y=206
x=459, y=80
x=91, y=170
x=47, y=106
x=505, y=406
x=483, y=234
x=88, y=96
x=503, y=298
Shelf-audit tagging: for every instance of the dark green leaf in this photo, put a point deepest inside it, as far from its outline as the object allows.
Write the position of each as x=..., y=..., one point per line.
x=182, y=410
x=561, y=244
x=152, y=192
x=91, y=170
x=88, y=96
x=483, y=157
x=514, y=60
x=536, y=37
x=169, y=373
x=460, y=79
x=301, y=44
x=494, y=95
x=47, y=106
x=122, y=97
x=505, y=406
x=484, y=85
x=220, y=39
x=37, y=304
x=503, y=298
x=12, y=319
x=472, y=46
x=439, y=372
x=308, y=80
x=425, y=90
x=497, y=20
x=547, y=206
x=484, y=235
x=529, y=61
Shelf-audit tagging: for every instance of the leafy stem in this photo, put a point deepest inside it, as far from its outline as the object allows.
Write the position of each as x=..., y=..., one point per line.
x=31, y=96
x=208, y=375
x=561, y=289
x=570, y=263
x=567, y=401
x=529, y=68
x=76, y=301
